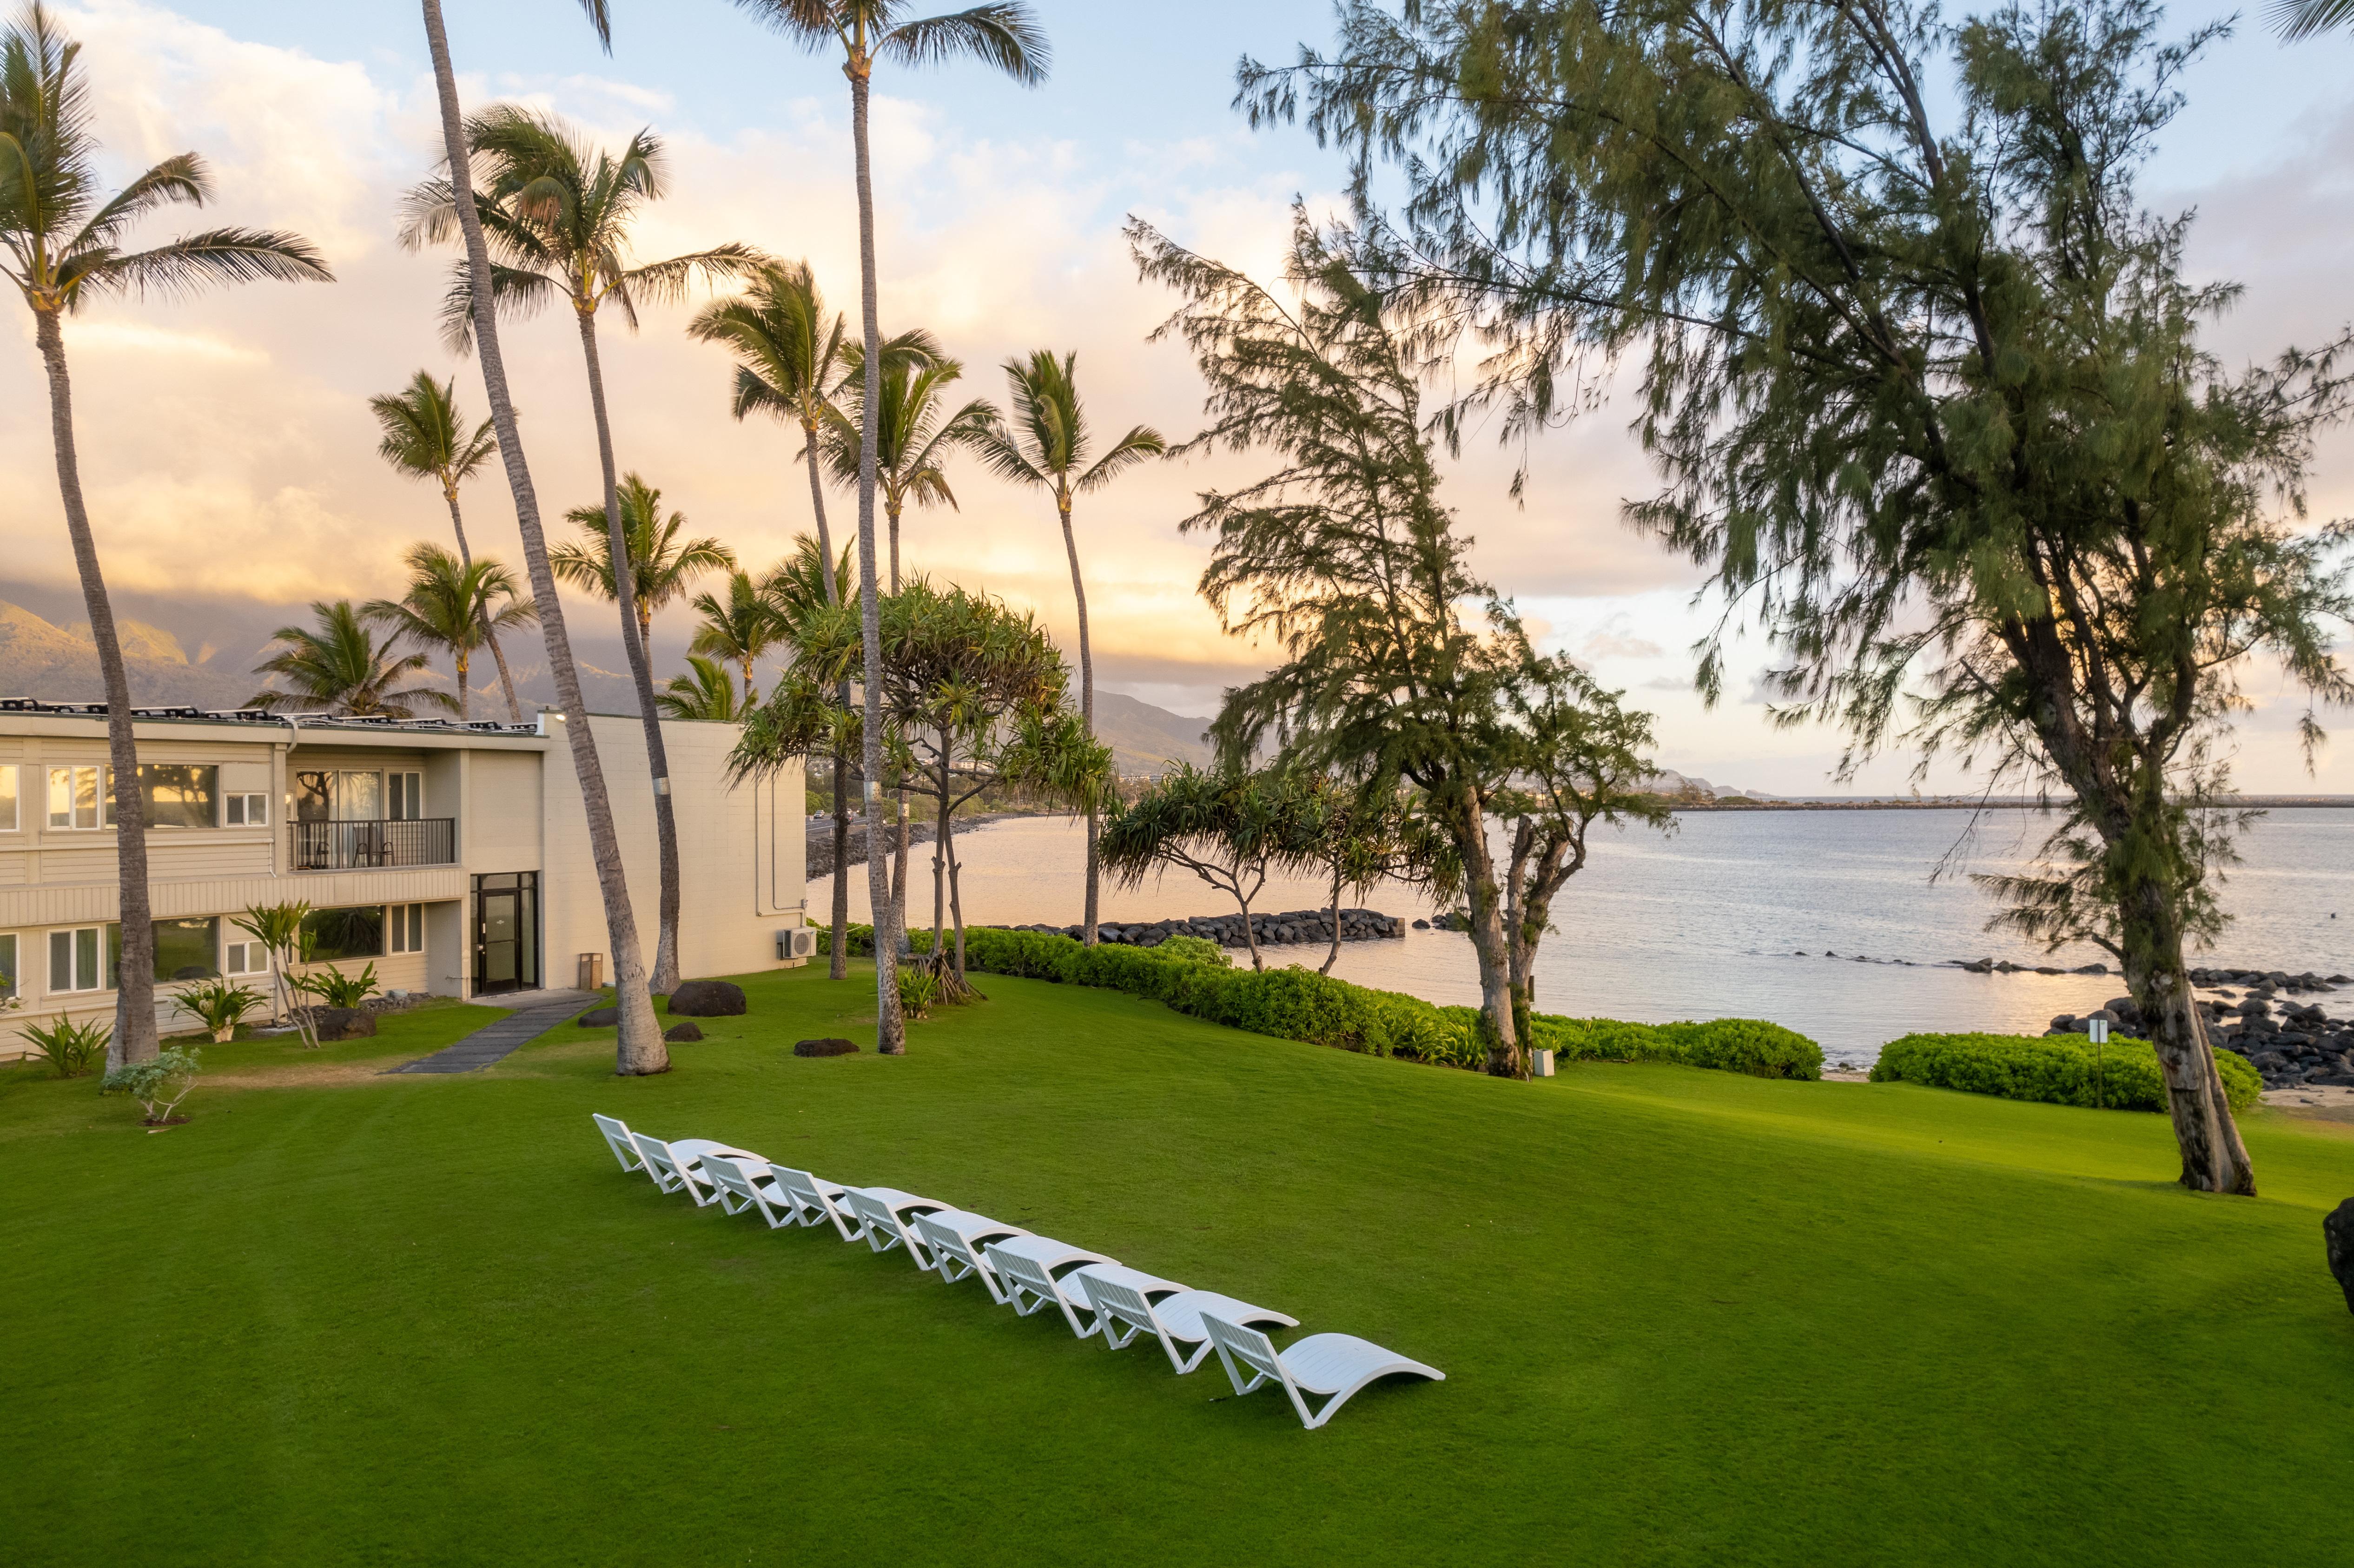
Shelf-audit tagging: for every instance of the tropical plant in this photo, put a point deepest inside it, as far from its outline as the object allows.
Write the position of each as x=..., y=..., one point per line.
x=159, y=1084
x=334, y=987
x=1924, y=385
x=638, y=1041
x=339, y=668
x=1229, y=826
x=661, y=564
x=920, y=990
x=283, y=932
x=63, y=242
x=706, y=692
x=799, y=588
x=425, y=438
x=67, y=1047
x=454, y=605
x=220, y=1005
x=2301, y=19
x=1004, y=33
x=741, y=627
x=1046, y=445
x=559, y=214
x=913, y=436
x=1183, y=949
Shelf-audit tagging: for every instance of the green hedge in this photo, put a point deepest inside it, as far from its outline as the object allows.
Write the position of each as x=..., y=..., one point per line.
x=1299, y=1004
x=2059, y=1069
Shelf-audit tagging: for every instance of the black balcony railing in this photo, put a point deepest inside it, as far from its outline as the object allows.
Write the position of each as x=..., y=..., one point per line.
x=353, y=846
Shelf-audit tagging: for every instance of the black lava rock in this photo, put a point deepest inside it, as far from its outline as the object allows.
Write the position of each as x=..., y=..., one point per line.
x=601, y=1018
x=2337, y=1231
x=681, y=1034
x=706, y=999
x=828, y=1047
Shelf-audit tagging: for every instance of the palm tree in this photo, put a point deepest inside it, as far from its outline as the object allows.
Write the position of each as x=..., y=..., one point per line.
x=741, y=627
x=2304, y=18
x=658, y=561
x=638, y=1047
x=340, y=669
x=452, y=604
x=63, y=240
x=911, y=437
x=1004, y=34
x=425, y=438
x=1046, y=445
x=559, y=214
x=707, y=692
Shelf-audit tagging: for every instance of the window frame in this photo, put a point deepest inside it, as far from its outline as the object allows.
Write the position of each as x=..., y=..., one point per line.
x=244, y=948
x=238, y=807
x=72, y=773
x=404, y=929
x=12, y=970
x=14, y=799
x=99, y=952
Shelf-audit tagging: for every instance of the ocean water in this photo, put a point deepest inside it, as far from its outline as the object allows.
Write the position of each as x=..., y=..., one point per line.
x=1840, y=925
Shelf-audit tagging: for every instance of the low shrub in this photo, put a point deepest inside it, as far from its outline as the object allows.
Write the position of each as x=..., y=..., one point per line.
x=1193, y=950
x=220, y=1005
x=2058, y=1069
x=1299, y=1004
x=158, y=1084
x=336, y=988
x=71, y=1048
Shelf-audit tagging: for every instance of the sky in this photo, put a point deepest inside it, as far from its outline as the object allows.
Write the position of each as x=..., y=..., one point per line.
x=228, y=455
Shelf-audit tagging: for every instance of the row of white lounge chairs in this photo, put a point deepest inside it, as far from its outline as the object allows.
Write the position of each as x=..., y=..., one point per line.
x=1094, y=1294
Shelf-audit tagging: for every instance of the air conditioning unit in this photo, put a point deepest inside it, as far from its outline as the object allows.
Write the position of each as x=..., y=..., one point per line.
x=796, y=942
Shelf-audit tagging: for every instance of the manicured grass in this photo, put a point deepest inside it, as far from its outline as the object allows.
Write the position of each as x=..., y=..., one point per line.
x=1686, y=1316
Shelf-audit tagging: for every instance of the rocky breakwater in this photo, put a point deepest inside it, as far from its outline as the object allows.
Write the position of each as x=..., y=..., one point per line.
x=1292, y=927
x=2289, y=1043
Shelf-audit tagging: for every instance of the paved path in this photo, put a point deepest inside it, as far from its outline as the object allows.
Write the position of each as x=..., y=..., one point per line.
x=486, y=1046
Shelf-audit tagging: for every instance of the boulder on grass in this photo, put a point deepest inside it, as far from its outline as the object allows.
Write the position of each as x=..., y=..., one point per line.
x=2338, y=1230
x=601, y=1018
x=828, y=1047
x=345, y=1024
x=681, y=1034
x=706, y=999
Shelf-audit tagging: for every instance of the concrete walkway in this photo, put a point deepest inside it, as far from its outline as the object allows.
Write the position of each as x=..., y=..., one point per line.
x=540, y=1011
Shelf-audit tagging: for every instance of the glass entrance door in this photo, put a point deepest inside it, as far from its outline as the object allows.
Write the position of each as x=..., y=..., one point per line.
x=506, y=932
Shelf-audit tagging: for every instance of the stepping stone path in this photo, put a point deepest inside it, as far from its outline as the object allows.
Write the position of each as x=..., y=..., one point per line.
x=493, y=1041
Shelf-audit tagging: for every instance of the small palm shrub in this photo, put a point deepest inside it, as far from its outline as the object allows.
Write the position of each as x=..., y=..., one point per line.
x=70, y=1048
x=919, y=991
x=159, y=1085
x=336, y=988
x=220, y=1006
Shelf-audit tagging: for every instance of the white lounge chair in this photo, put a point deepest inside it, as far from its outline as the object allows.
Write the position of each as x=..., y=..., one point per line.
x=1329, y=1366
x=1127, y=1312
x=679, y=1166
x=1026, y=1269
x=815, y=1199
x=748, y=1184
x=618, y=1140
x=883, y=1213
x=955, y=1238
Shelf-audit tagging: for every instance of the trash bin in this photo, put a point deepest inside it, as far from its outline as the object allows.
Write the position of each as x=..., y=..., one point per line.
x=592, y=972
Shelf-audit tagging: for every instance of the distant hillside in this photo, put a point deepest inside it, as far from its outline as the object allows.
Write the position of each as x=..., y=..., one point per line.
x=38, y=660
x=1145, y=739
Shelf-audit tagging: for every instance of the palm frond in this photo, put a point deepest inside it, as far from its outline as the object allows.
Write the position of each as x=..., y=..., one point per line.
x=2296, y=19
x=218, y=256
x=1005, y=34
x=1132, y=449
x=181, y=178
x=666, y=282
x=812, y=24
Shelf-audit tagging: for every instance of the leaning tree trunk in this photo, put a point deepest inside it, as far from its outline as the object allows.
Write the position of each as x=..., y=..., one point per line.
x=900, y=844
x=1092, y=909
x=489, y=632
x=1489, y=944
x=1250, y=936
x=638, y=1047
x=837, y=963
x=134, y=1038
x=890, y=1027
x=635, y=636
x=2214, y=1159
x=1334, y=955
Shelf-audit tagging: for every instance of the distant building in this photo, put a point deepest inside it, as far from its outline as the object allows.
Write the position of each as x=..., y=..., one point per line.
x=455, y=857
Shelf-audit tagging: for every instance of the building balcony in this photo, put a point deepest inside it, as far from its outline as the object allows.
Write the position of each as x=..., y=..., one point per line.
x=369, y=845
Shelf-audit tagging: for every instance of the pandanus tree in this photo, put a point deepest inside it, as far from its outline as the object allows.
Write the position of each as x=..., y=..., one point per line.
x=638, y=1046
x=425, y=437
x=1004, y=33
x=1233, y=827
x=661, y=561
x=338, y=667
x=557, y=214
x=453, y=604
x=741, y=626
x=65, y=245
x=1046, y=443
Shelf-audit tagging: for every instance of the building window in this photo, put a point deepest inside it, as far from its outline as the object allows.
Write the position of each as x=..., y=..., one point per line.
x=408, y=925
x=179, y=794
x=11, y=980
x=185, y=950
x=333, y=934
x=9, y=822
x=245, y=810
x=73, y=799
x=407, y=802
x=345, y=796
x=74, y=960
x=245, y=957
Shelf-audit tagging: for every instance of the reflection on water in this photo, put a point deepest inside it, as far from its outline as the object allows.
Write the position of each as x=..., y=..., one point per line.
x=1710, y=921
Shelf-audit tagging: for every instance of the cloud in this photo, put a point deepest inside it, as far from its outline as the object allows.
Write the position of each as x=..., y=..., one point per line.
x=1611, y=644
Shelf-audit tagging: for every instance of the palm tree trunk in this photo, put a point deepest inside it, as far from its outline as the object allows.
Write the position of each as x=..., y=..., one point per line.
x=1088, y=717
x=489, y=632
x=890, y=1028
x=940, y=870
x=458, y=658
x=135, y=994
x=838, y=955
x=639, y=1046
x=636, y=635
x=894, y=512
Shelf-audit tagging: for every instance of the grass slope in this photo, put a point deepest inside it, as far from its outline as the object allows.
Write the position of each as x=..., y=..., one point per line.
x=1687, y=1316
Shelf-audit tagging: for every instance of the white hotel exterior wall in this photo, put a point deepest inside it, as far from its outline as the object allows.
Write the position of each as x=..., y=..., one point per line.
x=518, y=807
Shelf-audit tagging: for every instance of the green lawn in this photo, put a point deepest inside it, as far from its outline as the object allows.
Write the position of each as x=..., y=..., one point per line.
x=1686, y=1316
